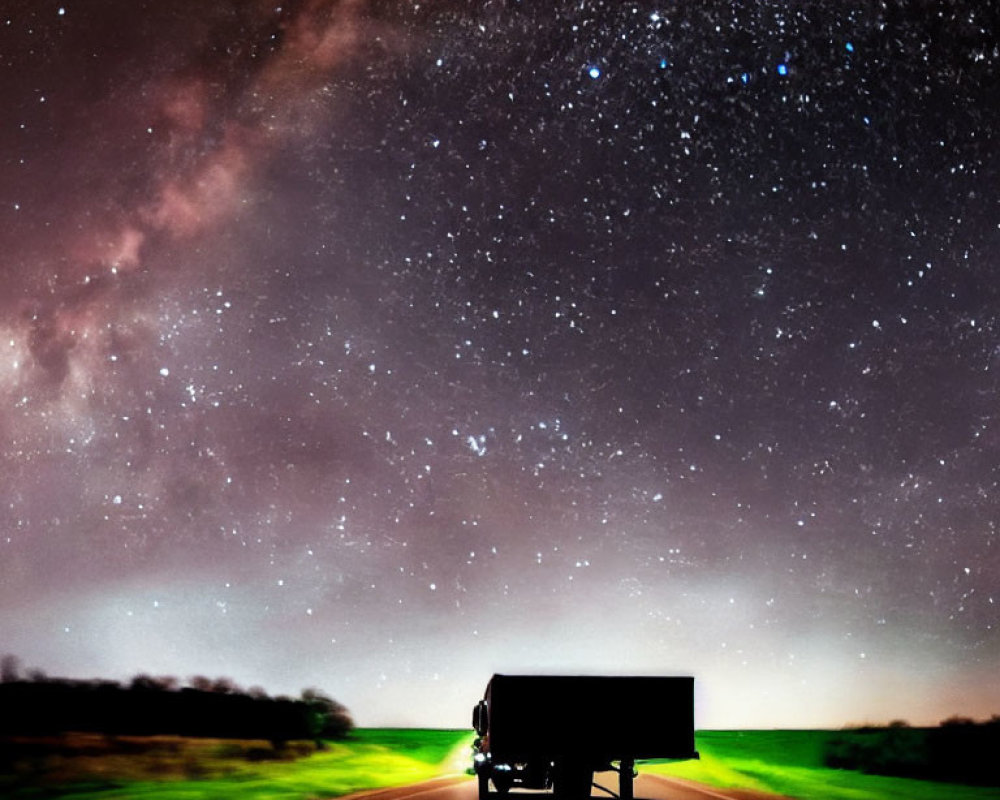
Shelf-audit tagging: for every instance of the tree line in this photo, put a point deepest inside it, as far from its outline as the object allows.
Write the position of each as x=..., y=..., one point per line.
x=959, y=750
x=35, y=705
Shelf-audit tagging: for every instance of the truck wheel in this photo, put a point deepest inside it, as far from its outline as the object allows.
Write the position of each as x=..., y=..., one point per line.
x=484, y=785
x=503, y=784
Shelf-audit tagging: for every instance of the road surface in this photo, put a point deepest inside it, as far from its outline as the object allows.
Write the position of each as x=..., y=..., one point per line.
x=647, y=787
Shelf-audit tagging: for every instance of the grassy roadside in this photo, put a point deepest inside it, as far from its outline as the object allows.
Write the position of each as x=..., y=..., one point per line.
x=790, y=763
x=84, y=767
x=169, y=768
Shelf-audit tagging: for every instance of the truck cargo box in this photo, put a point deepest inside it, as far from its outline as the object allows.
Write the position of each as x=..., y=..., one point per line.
x=599, y=718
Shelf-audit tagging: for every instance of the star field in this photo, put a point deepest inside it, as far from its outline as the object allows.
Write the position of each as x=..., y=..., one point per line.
x=382, y=346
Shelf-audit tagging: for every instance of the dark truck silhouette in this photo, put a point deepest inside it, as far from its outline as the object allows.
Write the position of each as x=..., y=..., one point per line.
x=554, y=731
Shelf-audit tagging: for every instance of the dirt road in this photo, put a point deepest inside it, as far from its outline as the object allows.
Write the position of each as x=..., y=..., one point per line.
x=647, y=787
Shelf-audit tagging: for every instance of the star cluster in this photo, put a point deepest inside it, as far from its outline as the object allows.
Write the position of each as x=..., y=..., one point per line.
x=381, y=346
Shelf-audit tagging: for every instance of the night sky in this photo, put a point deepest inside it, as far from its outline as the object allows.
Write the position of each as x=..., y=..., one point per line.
x=381, y=346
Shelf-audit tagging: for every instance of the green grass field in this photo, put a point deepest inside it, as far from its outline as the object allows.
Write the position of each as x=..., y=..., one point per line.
x=169, y=768
x=83, y=767
x=790, y=763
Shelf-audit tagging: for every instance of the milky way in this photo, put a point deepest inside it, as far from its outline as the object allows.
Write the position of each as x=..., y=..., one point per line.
x=383, y=346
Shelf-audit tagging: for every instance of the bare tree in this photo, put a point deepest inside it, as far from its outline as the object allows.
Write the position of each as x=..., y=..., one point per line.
x=10, y=669
x=201, y=683
x=328, y=718
x=956, y=721
x=158, y=683
x=225, y=686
